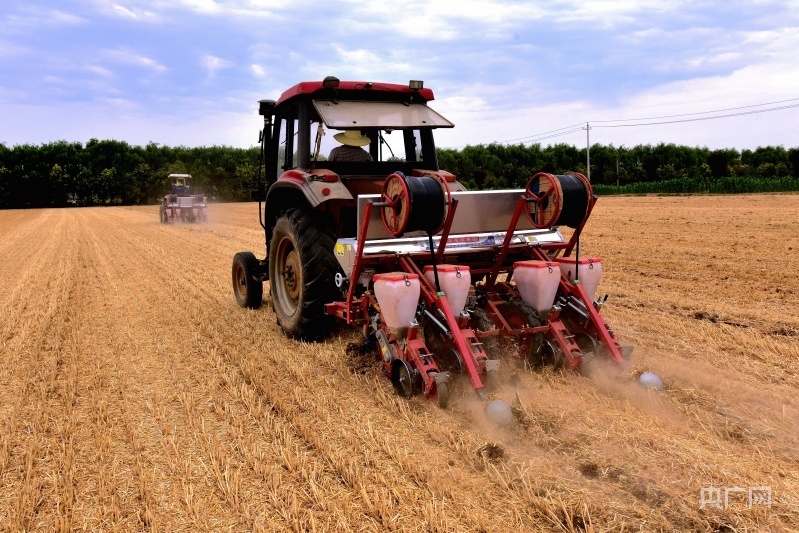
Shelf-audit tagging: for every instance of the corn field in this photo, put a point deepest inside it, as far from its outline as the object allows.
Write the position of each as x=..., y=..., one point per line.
x=135, y=395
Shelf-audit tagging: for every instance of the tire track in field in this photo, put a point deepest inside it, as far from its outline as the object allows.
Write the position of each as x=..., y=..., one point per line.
x=343, y=391
x=165, y=269
x=190, y=413
x=344, y=388
x=34, y=444
x=20, y=238
x=186, y=385
x=169, y=491
x=28, y=272
x=335, y=460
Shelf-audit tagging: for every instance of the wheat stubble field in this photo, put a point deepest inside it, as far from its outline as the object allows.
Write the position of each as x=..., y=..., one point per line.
x=136, y=396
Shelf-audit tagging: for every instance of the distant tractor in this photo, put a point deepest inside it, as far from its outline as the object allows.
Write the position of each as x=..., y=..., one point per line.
x=180, y=204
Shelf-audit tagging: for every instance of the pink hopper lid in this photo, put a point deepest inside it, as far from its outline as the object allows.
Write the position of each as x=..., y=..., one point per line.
x=582, y=261
x=394, y=276
x=447, y=268
x=533, y=264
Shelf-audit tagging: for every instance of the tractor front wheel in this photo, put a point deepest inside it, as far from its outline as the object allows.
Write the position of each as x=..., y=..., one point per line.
x=248, y=288
x=302, y=271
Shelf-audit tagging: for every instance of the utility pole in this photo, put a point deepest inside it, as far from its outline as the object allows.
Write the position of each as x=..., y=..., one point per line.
x=587, y=129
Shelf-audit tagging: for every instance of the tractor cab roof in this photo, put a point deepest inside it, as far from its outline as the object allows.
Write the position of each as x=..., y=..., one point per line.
x=359, y=105
x=354, y=90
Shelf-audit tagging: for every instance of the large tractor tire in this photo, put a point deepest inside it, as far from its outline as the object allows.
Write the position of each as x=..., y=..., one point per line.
x=302, y=271
x=162, y=214
x=248, y=288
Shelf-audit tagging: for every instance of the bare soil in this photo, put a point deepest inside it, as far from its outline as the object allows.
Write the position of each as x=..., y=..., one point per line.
x=136, y=395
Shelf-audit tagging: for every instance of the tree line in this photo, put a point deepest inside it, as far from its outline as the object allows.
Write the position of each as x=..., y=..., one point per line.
x=112, y=172
x=116, y=173
x=497, y=166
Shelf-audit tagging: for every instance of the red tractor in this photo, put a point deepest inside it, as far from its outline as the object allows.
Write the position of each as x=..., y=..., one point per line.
x=448, y=282
x=180, y=204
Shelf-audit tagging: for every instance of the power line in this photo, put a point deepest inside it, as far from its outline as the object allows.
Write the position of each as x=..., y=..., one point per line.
x=700, y=118
x=555, y=135
x=578, y=127
x=573, y=128
x=542, y=133
x=699, y=112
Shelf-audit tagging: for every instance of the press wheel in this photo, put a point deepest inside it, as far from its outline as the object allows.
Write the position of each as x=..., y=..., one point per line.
x=442, y=391
x=402, y=380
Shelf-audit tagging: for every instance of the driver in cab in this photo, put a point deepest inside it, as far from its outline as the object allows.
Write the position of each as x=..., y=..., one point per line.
x=350, y=149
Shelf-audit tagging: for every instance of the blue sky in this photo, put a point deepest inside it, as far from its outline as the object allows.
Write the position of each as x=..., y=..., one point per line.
x=189, y=72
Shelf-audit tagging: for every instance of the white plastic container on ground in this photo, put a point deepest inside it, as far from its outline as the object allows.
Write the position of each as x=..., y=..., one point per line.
x=455, y=281
x=589, y=274
x=537, y=282
x=398, y=295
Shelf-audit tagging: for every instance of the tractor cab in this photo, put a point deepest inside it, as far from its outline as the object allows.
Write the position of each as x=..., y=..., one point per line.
x=179, y=184
x=394, y=119
x=311, y=119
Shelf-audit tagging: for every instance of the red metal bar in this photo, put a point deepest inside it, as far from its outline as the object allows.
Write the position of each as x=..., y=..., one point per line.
x=492, y=277
x=445, y=232
x=561, y=335
x=357, y=266
x=427, y=289
x=598, y=323
x=416, y=352
x=595, y=320
x=462, y=345
x=459, y=336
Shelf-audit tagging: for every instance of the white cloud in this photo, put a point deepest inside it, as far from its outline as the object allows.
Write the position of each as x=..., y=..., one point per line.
x=100, y=71
x=130, y=58
x=258, y=71
x=609, y=14
x=770, y=74
x=37, y=18
x=238, y=8
x=133, y=13
x=213, y=64
x=360, y=63
x=500, y=69
x=202, y=6
x=8, y=49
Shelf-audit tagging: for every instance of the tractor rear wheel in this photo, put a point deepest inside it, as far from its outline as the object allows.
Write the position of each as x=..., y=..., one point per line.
x=248, y=289
x=302, y=271
x=162, y=214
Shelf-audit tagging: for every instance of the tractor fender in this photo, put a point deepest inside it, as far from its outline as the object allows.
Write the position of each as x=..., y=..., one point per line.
x=295, y=188
x=317, y=186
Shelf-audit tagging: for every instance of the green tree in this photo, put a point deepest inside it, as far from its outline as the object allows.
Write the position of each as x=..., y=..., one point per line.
x=793, y=159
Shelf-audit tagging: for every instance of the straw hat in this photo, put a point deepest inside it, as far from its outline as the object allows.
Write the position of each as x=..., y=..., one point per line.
x=352, y=138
